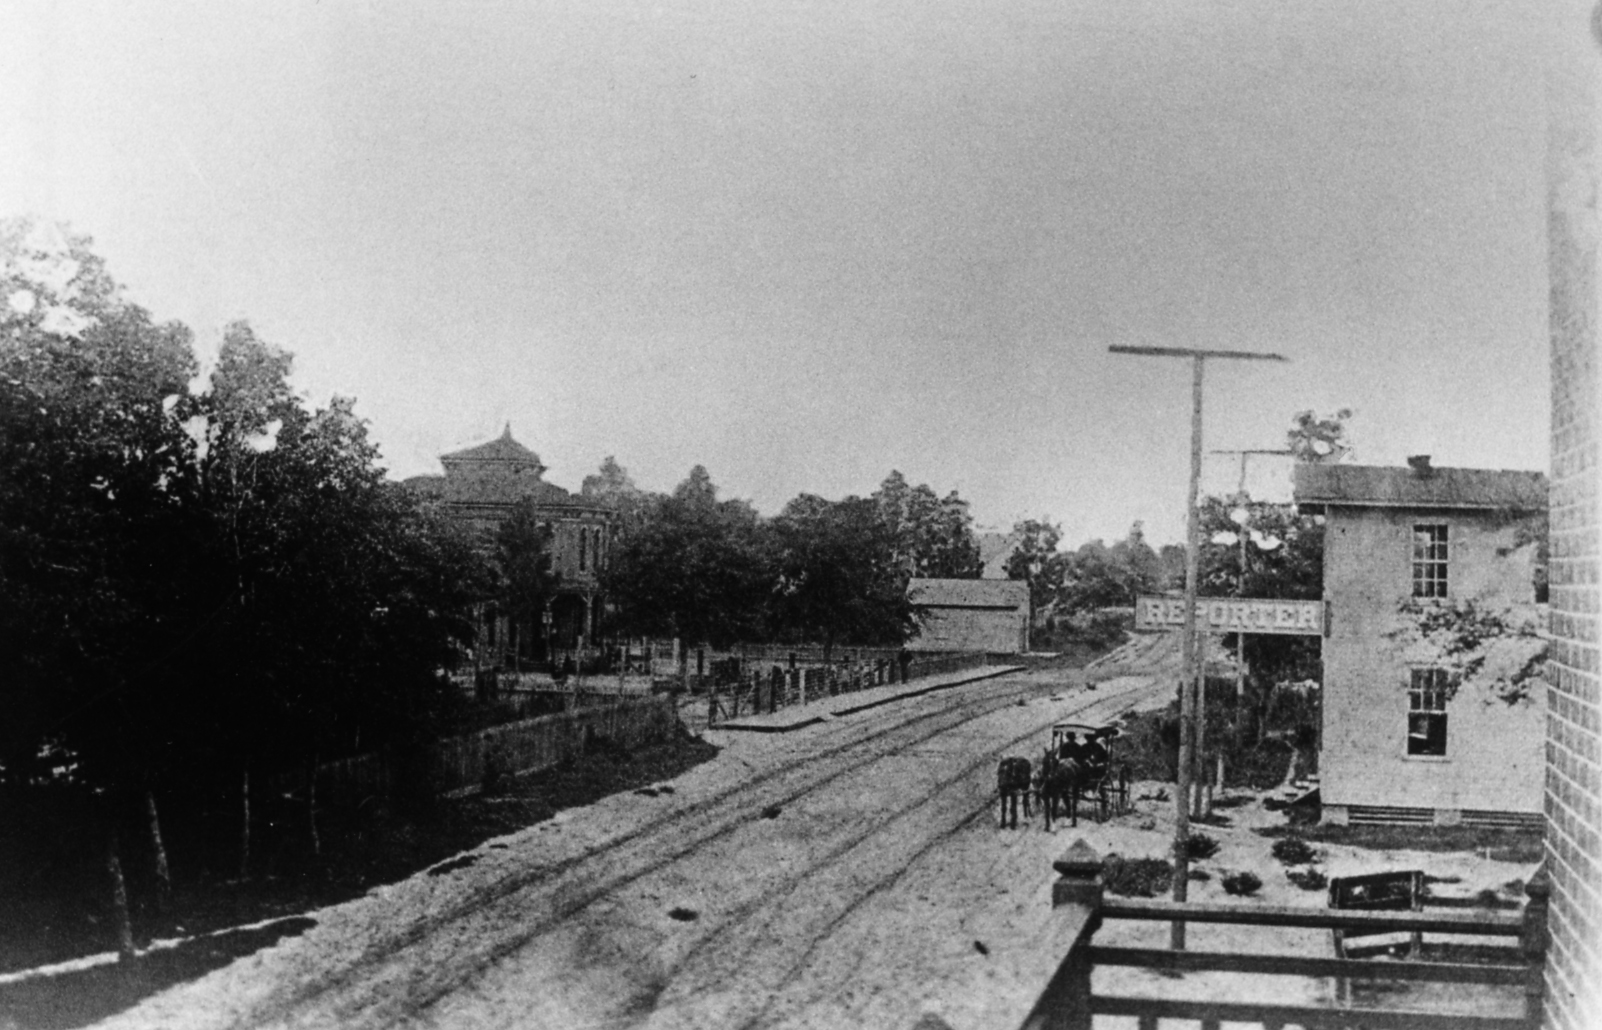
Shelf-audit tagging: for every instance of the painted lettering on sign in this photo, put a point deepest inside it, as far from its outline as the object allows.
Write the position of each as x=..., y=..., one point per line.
x=1233, y=615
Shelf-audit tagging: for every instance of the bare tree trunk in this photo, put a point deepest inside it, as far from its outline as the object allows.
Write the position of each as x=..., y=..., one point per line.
x=163, y=874
x=311, y=808
x=244, y=829
x=119, y=900
x=1290, y=770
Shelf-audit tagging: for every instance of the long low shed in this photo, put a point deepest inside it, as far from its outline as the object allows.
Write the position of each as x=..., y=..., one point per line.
x=989, y=615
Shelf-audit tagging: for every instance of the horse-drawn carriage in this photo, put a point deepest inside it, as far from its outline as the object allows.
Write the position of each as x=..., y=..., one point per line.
x=1078, y=766
x=1087, y=750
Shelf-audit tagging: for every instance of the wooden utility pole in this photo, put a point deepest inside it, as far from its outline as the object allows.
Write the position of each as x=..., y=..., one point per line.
x=1190, y=685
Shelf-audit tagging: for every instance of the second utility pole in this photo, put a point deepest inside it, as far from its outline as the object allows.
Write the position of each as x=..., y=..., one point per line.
x=1189, y=685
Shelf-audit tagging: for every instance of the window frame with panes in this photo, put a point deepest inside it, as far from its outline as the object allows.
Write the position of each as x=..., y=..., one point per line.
x=1431, y=559
x=1428, y=691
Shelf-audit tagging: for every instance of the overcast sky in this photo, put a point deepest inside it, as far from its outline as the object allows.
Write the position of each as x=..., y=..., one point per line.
x=804, y=243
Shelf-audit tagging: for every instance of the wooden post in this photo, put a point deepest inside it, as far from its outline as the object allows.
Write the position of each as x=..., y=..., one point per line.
x=1533, y=942
x=1079, y=883
x=119, y=900
x=244, y=826
x=311, y=806
x=163, y=872
x=1189, y=686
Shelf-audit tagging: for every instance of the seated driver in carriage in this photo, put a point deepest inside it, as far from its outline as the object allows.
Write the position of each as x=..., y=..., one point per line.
x=1071, y=750
x=1095, y=757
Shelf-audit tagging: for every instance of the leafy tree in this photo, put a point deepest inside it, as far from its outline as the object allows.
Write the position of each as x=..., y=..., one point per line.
x=1257, y=549
x=1138, y=564
x=933, y=536
x=842, y=578
x=1283, y=558
x=523, y=561
x=1037, y=560
x=691, y=567
x=332, y=599
x=611, y=481
x=89, y=452
x=1319, y=440
x=613, y=487
x=1283, y=550
x=194, y=582
x=1098, y=576
x=1171, y=558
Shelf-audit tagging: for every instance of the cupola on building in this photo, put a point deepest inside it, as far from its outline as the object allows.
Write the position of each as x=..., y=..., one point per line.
x=480, y=488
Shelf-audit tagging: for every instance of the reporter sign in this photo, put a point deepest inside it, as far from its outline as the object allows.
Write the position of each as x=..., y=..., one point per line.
x=1232, y=615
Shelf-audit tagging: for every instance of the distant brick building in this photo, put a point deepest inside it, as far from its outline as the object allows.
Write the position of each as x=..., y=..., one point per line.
x=971, y=615
x=481, y=486
x=1433, y=708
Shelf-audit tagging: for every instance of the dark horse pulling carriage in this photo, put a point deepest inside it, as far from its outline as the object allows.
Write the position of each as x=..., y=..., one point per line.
x=1078, y=766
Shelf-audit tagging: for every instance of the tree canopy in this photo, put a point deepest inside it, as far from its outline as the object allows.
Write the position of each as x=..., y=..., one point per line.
x=842, y=575
x=1036, y=559
x=1092, y=576
x=693, y=566
x=197, y=576
x=690, y=566
x=1320, y=440
x=931, y=536
x=525, y=580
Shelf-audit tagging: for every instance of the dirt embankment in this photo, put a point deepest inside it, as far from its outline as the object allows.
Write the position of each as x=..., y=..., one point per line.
x=211, y=921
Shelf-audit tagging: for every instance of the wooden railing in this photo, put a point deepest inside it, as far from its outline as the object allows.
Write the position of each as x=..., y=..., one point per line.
x=1069, y=1003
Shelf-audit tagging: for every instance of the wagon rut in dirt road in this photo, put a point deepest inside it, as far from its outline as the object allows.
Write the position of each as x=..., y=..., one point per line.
x=608, y=903
x=323, y=981
x=766, y=898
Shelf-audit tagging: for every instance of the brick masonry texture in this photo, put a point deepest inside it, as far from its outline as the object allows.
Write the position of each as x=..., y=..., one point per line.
x=1573, y=791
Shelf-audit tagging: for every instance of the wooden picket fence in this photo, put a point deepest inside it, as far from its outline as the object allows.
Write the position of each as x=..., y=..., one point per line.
x=757, y=690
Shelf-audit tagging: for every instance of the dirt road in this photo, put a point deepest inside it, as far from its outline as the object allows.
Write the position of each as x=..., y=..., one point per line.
x=847, y=874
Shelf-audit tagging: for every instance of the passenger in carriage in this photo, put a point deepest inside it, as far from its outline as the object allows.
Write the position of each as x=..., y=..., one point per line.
x=1071, y=750
x=1095, y=758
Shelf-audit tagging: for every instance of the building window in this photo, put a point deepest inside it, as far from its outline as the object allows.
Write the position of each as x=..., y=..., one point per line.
x=1429, y=561
x=1426, y=713
x=584, y=539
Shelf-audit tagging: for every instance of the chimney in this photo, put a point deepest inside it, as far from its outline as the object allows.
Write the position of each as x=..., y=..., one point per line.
x=1420, y=463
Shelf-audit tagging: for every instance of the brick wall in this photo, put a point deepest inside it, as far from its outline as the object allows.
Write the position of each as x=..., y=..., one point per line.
x=1574, y=765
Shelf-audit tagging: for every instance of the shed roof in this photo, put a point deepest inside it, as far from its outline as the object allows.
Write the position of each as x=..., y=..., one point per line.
x=1379, y=486
x=969, y=593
